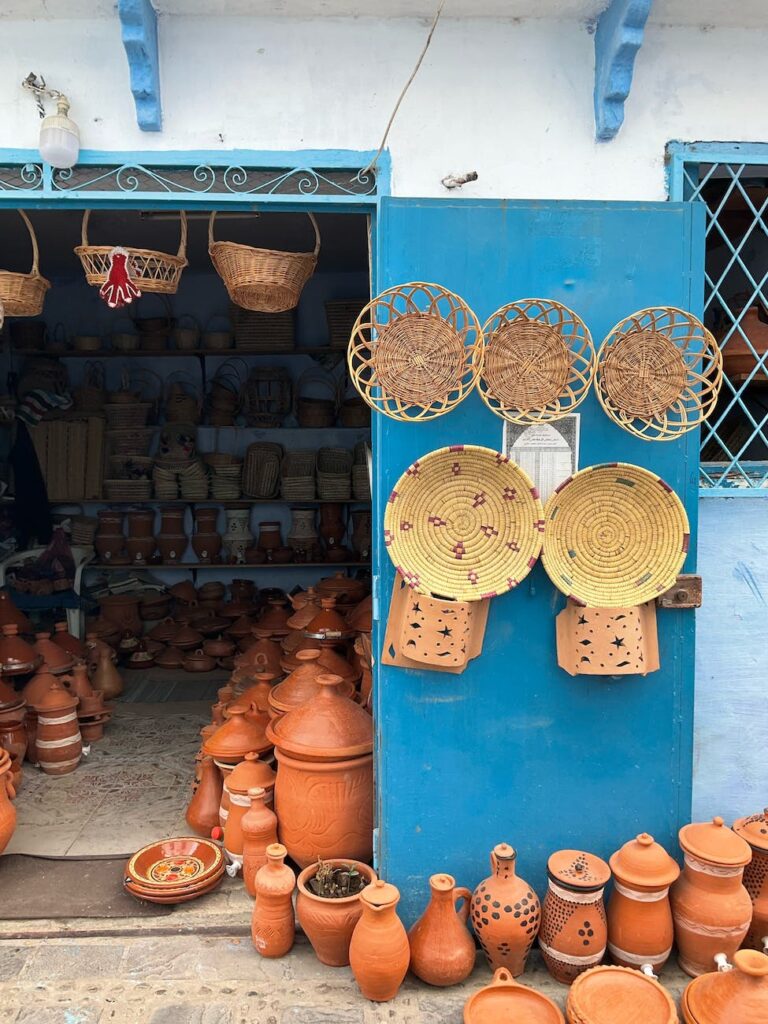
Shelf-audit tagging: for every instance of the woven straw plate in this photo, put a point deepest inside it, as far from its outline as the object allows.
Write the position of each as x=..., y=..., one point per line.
x=415, y=351
x=615, y=536
x=659, y=373
x=539, y=361
x=463, y=522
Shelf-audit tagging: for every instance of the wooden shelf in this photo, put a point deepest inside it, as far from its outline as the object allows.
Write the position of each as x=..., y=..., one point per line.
x=223, y=566
x=181, y=502
x=172, y=353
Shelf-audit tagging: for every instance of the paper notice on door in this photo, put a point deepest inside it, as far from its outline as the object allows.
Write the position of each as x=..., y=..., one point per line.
x=548, y=452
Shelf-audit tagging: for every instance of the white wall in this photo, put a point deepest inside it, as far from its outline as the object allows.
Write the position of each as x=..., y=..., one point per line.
x=512, y=101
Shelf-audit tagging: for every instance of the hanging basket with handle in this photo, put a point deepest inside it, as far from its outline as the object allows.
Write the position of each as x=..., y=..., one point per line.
x=262, y=280
x=152, y=271
x=24, y=294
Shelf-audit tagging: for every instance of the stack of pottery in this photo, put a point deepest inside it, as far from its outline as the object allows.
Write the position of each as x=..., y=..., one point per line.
x=13, y=732
x=140, y=542
x=302, y=684
x=171, y=538
x=254, y=771
x=273, y=927
x=7, y=793
x=329, y=923
x=618, y=995
x=34, y=691
x=236, y=737
x=174, y=870
x=58, y=742
x=732, y=995
x=109, y=539
x=505, y=913
x=238, y=538
x=327, y=625
x=379, y=953
x=17, y=657
x=92, y=715
x=754, y=830
x=206, y=540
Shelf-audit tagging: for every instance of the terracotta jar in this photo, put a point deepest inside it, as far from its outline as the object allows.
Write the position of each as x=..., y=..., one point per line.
x=108, y=546
x=379, y=953
x=206, y=540
x=171, y=520
x=361, y=533
x=123, y=611
x=616, y=995
x=329, y=923
x=202, y=813
x=58, y=743
x=574, y=933
x=172, y=548
x=55, y=657
x=110, y=521
x=269, y=537
x=252, y=772
x=235, y=738
x=7, y=793
x=64, y=639
x=711, y=908
x=106, y=678
x=301, y=685
x=10, y=615
x=140, y=549
x=273, y=927
x=259, y=828
x=141, y=524
x=738, y=996
x=640, y=929
x=507, y=937
x=17, y=657
x=442, y=950
x=754, y=830
x=238, y=785
x=242, y=590
x=332, y=525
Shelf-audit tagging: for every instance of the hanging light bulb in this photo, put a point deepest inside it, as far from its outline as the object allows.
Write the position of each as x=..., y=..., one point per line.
x=60, y=137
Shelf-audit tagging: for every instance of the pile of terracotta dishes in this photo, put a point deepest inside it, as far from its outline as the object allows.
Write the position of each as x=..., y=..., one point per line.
x=174, y=870
x=505, y=1001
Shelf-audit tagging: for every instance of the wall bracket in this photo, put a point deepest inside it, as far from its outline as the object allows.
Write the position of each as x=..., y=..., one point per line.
x=618, y=37
x=138, y=21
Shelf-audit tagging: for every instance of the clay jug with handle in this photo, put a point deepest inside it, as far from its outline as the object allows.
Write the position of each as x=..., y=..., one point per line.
x=442, y=950
x=273, y=925
x=259, y=828
x=203, y=809
x=379, y=953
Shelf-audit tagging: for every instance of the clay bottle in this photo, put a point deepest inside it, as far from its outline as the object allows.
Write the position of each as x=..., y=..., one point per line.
x=259, y=827
x=106, y=678
x=505, y=913
x=203, y=809
x=442, y=950
x=273, y=926
x=379, y=953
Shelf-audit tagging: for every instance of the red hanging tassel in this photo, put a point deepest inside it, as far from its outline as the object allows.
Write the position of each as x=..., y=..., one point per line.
x=119, y=290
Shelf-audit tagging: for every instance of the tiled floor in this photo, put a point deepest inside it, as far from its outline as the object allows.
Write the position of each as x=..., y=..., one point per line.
x=132, y=788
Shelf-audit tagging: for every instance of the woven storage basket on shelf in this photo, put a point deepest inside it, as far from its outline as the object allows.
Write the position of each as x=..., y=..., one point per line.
x=659, y=373
x=297, y=475
x=150, y=270
x=24, y=294
x=128, y=490
x=463, y=522
x=341, y=315
x=266, y=396
x=122, y=415
x=316, y=410
x=182, y=402
x=261, y=469
x=334, y=474
x=130, y=467
x=83, y=530
x=361, y=474
x=415, y=351
x=616, y=536
x=262, y=280
x=130, y=441
x=91, y=395
x=263, y=332
x=539, y=361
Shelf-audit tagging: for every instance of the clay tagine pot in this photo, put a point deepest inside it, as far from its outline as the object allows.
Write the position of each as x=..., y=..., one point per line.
x=199, y=661
x=507, y=1000
x=234, y=609
x=262, y=656
x=614, y=995
x=169, y=657
x=186, y=639
x=219, y=647
x=737, y=996
x=306, y=605
x=17, y=657
x=329, y=727
x=328, y=624
x=164, y=631
x=301, y=685
x=274, y=620
x=573, y=934
x=241, y=627
x=184, y=592
x=346, y=590
x=64, y=639
x=332, y=663
x=236, y=737
x=754, y=830
x=360, y=618
x=58, y=742
x=36, y=687
x=54, y=656
x=10, y=615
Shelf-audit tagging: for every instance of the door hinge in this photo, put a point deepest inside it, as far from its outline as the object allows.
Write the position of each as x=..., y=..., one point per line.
x=686, y=593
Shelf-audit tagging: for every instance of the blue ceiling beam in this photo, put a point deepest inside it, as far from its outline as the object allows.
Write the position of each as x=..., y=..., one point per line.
x=618, y=37
x=138, y=22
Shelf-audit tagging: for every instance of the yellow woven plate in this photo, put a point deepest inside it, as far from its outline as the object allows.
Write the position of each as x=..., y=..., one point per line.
x=616, y=536
x=463, y=522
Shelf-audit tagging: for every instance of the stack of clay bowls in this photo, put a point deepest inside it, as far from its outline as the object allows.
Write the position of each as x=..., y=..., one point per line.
x=174, y=870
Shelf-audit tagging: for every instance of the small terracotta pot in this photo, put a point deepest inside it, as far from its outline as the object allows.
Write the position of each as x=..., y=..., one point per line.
x=328, y=924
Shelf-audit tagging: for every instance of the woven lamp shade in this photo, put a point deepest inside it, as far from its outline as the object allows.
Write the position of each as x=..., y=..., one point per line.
x=659, y=373
x=539, y=361
x=463, y=522
x=415, y=351
x=616, y=536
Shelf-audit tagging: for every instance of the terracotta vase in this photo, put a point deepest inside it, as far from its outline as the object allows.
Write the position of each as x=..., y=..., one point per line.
x=273, y=927
x=379, y=953
x=17, y=657
x=332, y=525
x=206, y=540
x=10, y=615
x=737, y=996
x=203, y=809
x=640, y=929
x=58, y=742
x=259, y=828
x=754, y=830
x=442, y=950
x=329, y=923
x=106, y=678
x=64, y=639
x=711, y=908
x=573, y=934
x=7, y=810
x=505, y=932
x=54, y=656
x=141, y=524
x=123, y=611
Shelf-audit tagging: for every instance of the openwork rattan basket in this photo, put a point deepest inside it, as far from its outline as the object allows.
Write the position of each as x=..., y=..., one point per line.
x=615, y=536
x=415, y=352
x=152, y=271
x=23, y=294
x=659, y=373
x=538, y=363
x=262, y=280
x=463, y=522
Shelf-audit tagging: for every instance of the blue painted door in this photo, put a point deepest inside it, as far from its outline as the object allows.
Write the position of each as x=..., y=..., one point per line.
x=514, y=749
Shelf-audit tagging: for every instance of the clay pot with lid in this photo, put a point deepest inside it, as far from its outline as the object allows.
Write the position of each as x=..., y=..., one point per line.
x=332, y=662
x=301, y=685
x=379, y=953
x=506, y=939
x=58, y=743
x=10, y=615
x=754, y=830
x=258, y=694
x=617, y=995
x=17, y=657
x=737, y=995
x=198, y=661
x=442, y=950
x=327, y=624
x=273, y=927
x=64, y=639
x=54, y=656
x=185, y=638
x=305, y=610
x=183, y=592
x=573, y=934
x=219, y=647
x=640, y=928
x=252, y=772
x=711, y=908
x=262, y=656
x=170, y=657
x=7, y=793
x=346, y=590
x=507, y=1000
x=241, y=627
x=236, y=737
x=329, y=923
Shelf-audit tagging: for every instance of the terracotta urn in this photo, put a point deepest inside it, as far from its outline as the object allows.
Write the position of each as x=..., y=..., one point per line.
x=17, y=657
x=7, y=793
x=235, y=738
x=711, y=908
x=329, y=923
x=301, y=685
x=206, y=540
x=259, y=828
x=613, y=995
x=754, y=830
x=506, y=1000
x=640, y=928
x=64, y=639
x=332, y=525
x=10, y=615
x=273, y=927
x=106, y=678
x=505, y=932
x=573, y=934
x=379, y=953
x=58, y=742
x=123, y=611
x=442, y=950
x=730, y=996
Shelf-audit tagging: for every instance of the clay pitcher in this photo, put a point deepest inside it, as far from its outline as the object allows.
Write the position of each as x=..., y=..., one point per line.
x=7, y=810
x=106, y=678
x=203, y=809
x=754, y=830
x=442, y=950
x=505, y=913
x=259, y=828
x=379, y=953
x=273, y=926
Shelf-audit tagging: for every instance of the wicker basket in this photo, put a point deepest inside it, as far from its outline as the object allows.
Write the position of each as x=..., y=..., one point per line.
x=83, y=530
x=122, y=415
x=341, y=315
x=353, y=412
x=334, y=474
x=186, y=333
x=130, y=467
x=24, y=294
x=128, y=490
x=311, y=410
x=151, y=271
x=91, y=395
x=263, y=332
x=182, y=399
x=361, y=473
x=261, y=470
x=266, y=396
x=297, y=475
x=130, y=441
x=262, y=280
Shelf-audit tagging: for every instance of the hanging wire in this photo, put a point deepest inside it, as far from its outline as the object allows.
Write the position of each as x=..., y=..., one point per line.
x=37, y=86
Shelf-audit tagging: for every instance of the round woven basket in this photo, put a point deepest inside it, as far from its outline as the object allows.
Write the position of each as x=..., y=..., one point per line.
x=463, y=522
x=659, y=373
x=23, y=294
x=415, y=352
x=152, y=271
x=616, y=536
x=538, y=363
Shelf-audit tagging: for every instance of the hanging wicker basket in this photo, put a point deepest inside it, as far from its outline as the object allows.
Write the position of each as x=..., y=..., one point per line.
x=616, y=536
x=415, y=352
x=539, y=361
x=262, y=280
x=23, y=294
x=659, y=373
x=151, y=271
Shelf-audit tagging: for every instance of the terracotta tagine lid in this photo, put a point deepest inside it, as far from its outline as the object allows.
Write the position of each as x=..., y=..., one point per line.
x=361, y=617
x=250, y=773
x=258, y=694
x=754, y=830
x=328, y=624
x=241, y=627
x=56, y=698
x=183, y=591
x=64, y=639
x=713, y=842
x=9, y=698
x=329, y=660
x=505, y=1000
x=607, y=995
x=38, y=685
x=186, y=638
x=10, y=615
x=262, y=656
x=342, y=587
x=17, y=657
x=574, y=869
x=301, y=685
x=199, y=661
x=379, y=893
x=739, y=996
x=170, y=657
x=234, y=609
x=274, y=621
x=236, y=737
x=644, y=864
x=329, y=727
x=306, y=605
